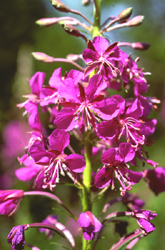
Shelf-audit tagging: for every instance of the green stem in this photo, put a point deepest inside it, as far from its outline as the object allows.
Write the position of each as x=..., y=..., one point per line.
x=97, y=13
x=86, y=190
x=87, y=175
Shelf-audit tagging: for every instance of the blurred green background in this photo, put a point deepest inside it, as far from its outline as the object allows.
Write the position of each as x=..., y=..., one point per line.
x=19, y=37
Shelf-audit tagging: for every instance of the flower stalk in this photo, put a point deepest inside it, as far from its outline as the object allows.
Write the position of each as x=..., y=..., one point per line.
x=97, y=15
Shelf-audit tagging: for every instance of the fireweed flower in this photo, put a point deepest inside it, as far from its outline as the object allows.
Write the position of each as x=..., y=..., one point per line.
x=16, y=237
x=115, y=167
x=101, y=56
x=31, y=104
x=51, y=219
x=90, y=224
x=130, y=71
x=155, y=179
x=50, y=94
x=83, y=106
x=143, y=218
x=9, y=201
x=33, y=115
x=132, y=202
x=128, y=123
x=36, y=83
x=30, y=171
x=54, y=160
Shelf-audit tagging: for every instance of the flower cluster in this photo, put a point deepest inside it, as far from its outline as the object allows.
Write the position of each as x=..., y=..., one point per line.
x=110, y=134
x=78, y=102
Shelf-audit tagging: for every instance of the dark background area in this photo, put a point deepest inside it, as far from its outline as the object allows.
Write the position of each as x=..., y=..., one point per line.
x=19, y=37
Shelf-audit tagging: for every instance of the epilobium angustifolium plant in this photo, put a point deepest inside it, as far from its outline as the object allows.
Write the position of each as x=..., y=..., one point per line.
x=110, y=132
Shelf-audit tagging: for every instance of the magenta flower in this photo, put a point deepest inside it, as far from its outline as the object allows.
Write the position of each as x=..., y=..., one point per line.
x=33, y=115
x=52, y=220
x=129, y=123
x=54, y=160
x=49, y=94
x=143, y=218
x=155, y=179
x=130, y=71
x=101, y=56
x=30, y=171
x=36, y=83
x=83, y=106
x=115, y=167
x=90, y=225
x=16, y=237
x=9, y=201
x=31, y=104
x=132, y=202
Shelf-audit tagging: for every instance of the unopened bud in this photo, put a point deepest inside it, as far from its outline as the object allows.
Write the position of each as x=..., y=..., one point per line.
x=68, y=22
x=86, y=2
x=135, y=21
x=125, y=14
x=140, y=46
x=46, y=22
x=71, y=30
x=42, y=57
x=58, y=5
x=73, y=57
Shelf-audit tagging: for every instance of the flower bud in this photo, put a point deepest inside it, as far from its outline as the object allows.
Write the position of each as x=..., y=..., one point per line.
x=9, y=201
x=52, y=220
x=73, y=57
x=125, y=14
x=86, y=2
x=68, y=22
x=16, y=237
x=71, y=30
x=135, y=21
x=42, y=57
x=58, y=5
x=46, y=22
x=140, y=46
